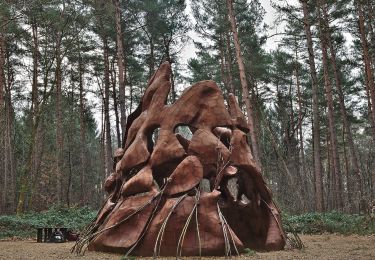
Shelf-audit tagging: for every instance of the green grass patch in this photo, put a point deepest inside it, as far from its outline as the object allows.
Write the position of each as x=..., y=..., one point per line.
x=331, y=222
x=25, y=225
x=249, y=252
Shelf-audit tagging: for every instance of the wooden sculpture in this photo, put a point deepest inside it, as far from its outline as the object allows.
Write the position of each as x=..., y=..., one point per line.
x=157, y=204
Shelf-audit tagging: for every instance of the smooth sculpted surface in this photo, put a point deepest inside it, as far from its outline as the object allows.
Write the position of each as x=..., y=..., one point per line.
x=185, y=182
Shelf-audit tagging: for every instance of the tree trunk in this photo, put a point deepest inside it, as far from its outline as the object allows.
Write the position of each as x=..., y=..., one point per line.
x=329, y=99
x=102, y=172
x=245, y=88
x=26, y=181
x=224, y=78
x=301, y=155
x=228, y=64
x=344, y=115
x=36, y=145
x=82, y=131
x=167, y=53
x=366, y=59
x=369, y=105
x=34, y=107
x=121, y=67
x=2, y=74
x=68, y=183
x=34, y=91
x=319, y=199
x=9, y=172
x=59, y=123
x=2, y=118
x=108, y=142
x=115, y=105
x=330, y=176
x=302, y=171
x=8, y=158
x=350, y=187
x=151, y=60
x=131, y=98
x=293, y=151
x=370, y=12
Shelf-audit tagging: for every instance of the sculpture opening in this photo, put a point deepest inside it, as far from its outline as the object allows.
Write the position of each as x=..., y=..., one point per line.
x=185, y=183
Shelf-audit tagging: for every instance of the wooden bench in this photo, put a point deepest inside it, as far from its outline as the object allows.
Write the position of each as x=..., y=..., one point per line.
x=44, y=234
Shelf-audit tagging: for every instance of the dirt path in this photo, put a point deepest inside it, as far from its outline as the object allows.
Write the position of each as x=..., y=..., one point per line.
x=325, y=246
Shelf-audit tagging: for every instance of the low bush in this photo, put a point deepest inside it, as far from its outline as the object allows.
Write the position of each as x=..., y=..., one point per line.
x=331, y=222
x=25, y=225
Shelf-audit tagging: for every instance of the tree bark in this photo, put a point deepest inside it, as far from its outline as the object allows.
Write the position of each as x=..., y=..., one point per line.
x=370, y=15
x=344, y=114
x=59, y=122
x=330, y=200
x=68, y=183
x=228, y=65
x=115, y=104
x=167, y=53
x=108, y=142
x=2, y=118
x=369, y=104
x=366, y=59
x=302, y=171
x=224, y=78
x=26, y=183
x=329, y=99
x=121, y=67
x=82, y=130
x=301, y=154
x=245, y=88
x=102, y=172
x=9, y=172
x=34, y=91
x=34, y=107
x=151, y=60
x=35, y=145
x=319, y=199
x=2, y=76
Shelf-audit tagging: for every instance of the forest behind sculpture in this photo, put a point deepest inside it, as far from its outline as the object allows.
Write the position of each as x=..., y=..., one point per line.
x=172, y=196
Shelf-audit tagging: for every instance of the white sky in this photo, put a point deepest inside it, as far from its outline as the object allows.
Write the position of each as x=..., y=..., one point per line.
x=189, y=50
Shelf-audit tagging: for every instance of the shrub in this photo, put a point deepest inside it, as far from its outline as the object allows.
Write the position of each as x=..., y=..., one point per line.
x=25, y=225
x=332, y=222
x=77, y=218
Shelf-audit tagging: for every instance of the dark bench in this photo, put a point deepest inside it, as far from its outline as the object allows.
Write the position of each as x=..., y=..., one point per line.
x=44, y=234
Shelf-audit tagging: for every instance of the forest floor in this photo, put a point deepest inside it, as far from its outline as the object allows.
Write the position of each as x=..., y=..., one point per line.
x=325, y=246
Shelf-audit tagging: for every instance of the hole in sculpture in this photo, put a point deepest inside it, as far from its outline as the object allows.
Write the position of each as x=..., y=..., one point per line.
x=205, y=185
x=163, y=171
x=224, y=134
x=244, y=199
x=184, y=131
x=233, y=187
x=152, y=138
x=155, y=134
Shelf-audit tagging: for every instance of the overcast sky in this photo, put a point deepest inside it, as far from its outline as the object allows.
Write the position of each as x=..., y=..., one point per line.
x=189, y=50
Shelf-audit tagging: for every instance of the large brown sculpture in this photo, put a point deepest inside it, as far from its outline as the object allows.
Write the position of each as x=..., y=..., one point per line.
x=158, y=202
